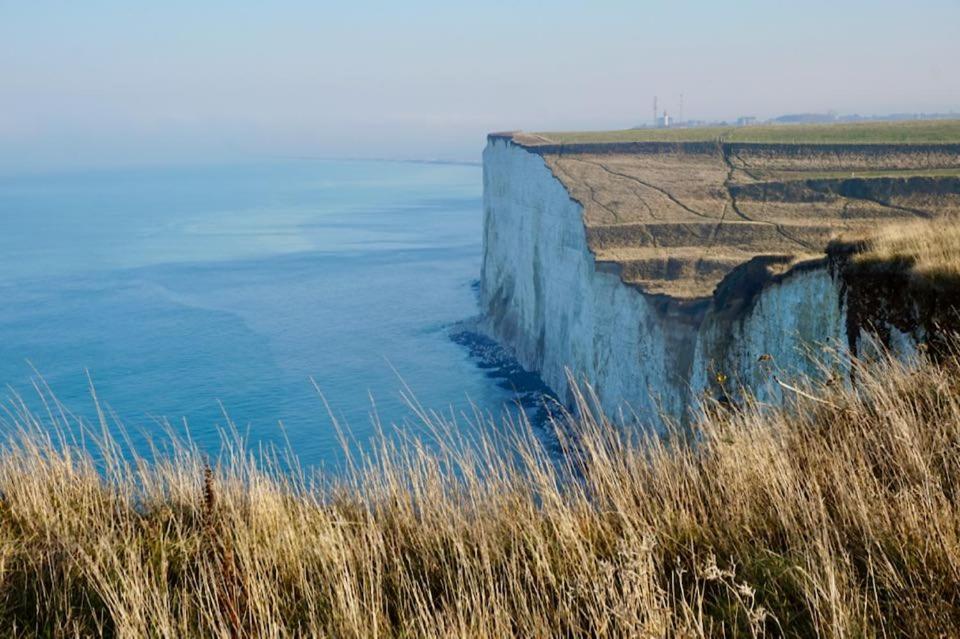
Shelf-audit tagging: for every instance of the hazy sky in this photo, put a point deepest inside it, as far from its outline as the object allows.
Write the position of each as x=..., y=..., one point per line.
x=104, y=82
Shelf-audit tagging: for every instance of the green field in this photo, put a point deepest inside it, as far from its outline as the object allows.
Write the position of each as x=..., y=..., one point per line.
x=911, y=132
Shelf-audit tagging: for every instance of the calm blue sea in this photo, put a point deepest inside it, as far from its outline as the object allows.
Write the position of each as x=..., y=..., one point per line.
x=182, y=290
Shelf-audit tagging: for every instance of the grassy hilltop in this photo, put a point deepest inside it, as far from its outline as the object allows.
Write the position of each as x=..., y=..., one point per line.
x=676, y=220
x=911, y=132
x=839, y=517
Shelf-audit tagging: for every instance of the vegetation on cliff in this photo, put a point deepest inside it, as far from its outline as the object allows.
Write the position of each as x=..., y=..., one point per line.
x=909, y=132
x=928, y=251
x=676, y=219
x=837, y=517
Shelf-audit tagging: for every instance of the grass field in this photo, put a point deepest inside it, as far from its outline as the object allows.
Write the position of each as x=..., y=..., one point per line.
x=911, y=132
x=840, y=519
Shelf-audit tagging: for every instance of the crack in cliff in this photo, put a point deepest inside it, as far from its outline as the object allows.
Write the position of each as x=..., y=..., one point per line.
x=616, y=215
x=711, y=240
x=633, y=190
x=728, y=185
x=593, y=195
x=646, y=205
x=663, y=191
x=921, y=213
x=746, y=167
x=728, y=182
x=927, y=215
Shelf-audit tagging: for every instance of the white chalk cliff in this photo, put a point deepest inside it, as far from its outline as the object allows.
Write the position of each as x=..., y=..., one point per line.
x=546, y=298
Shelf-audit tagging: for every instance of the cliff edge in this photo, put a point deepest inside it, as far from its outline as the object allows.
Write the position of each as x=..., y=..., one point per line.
x=663, y=270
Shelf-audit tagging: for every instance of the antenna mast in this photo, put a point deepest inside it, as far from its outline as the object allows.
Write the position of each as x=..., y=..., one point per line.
x=654, y=110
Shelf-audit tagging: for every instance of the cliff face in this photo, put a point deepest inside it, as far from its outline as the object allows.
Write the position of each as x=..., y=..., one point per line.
x=778, y=335
x=545, y=298
x=548, y=298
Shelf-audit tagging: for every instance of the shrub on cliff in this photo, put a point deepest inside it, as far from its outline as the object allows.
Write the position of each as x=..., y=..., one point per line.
x=839, y=517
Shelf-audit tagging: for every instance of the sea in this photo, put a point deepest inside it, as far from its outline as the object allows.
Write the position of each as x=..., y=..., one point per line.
x=296, y=303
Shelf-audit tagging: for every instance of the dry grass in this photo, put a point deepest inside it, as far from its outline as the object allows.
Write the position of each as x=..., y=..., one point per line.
x=715, y=207
x=930, y=250
x=839, y=519
x=710, y=212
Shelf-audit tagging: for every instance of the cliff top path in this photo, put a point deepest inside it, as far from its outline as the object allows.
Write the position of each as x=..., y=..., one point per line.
x=676, y=210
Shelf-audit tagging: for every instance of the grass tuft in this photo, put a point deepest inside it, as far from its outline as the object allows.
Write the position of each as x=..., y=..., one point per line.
x=929, y=250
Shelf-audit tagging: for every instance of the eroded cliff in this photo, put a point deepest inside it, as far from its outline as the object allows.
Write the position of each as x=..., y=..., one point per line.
x=663, y=272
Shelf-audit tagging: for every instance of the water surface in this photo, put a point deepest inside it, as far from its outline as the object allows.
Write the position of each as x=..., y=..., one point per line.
x=187, y=292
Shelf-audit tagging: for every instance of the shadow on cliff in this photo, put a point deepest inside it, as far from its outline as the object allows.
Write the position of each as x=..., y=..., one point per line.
x=529, y=393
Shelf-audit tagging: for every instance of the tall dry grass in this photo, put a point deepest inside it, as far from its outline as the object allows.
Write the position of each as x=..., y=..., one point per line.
x=837, y=518
x=930, y=249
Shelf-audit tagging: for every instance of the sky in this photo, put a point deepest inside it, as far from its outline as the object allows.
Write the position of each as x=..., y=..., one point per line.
x=129, y=82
